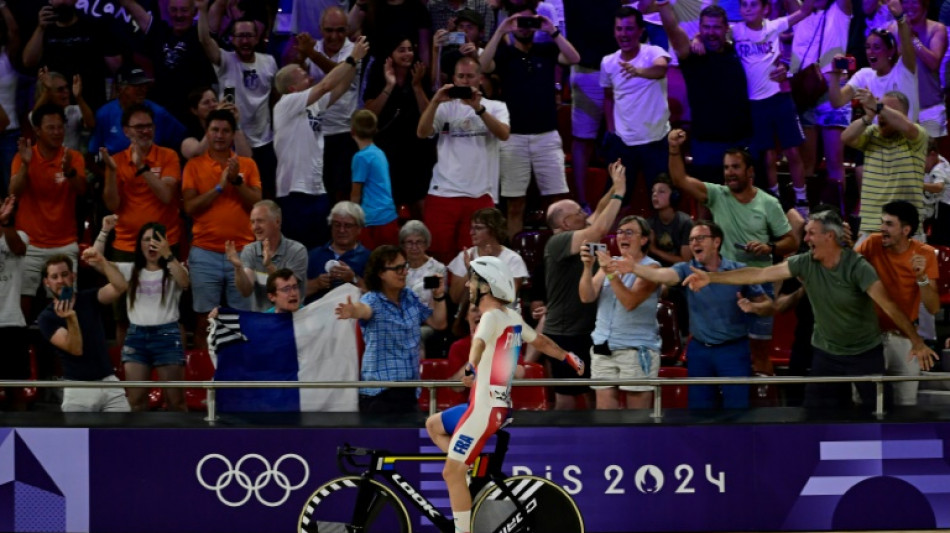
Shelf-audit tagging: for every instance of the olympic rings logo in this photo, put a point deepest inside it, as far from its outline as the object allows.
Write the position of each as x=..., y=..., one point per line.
x=236, y=474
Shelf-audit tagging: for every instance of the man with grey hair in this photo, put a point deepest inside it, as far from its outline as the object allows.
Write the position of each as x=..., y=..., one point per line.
x=841, y=286
x=320, y=57
x=298, y=142
x=895, y=153
x=568, y=321
x=343, y=259
x=269, y=252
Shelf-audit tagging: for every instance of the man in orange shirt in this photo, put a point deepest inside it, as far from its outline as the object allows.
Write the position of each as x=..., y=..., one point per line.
x=908, y=269
x=46, y=178
x=142, y=185
x=219, y=188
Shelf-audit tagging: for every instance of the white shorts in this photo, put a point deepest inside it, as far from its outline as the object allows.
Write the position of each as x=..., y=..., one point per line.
x=934, y=120
x=896, y=363
x=35, y=260
x=111, y=400
x=624, y=364
x=587, y=99
x=541, y=151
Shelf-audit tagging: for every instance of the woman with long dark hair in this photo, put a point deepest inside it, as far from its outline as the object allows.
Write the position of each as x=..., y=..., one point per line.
x=156, y=281
x=397, y=93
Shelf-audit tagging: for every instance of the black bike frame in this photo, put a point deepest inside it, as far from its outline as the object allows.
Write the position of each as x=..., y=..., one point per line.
x=487, y=467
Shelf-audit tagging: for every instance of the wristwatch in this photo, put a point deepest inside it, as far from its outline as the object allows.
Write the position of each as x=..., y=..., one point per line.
x=350, y=61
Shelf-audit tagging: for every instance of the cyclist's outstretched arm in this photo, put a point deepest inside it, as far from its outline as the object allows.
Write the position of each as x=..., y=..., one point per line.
x=544, y=344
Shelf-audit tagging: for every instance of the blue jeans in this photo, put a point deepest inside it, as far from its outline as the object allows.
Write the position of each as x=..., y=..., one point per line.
x=212, y=274
x=726, y=360
x=153, y=345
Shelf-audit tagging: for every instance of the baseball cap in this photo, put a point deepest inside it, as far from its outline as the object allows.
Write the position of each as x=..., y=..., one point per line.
x=132, y=76
x=470, y=15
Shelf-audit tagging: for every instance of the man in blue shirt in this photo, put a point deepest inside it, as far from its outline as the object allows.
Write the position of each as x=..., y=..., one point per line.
x=132, y=86
x=719, y=317
x=343, y=259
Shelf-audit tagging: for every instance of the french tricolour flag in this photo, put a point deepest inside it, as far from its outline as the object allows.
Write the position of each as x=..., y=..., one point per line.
x=309, y=345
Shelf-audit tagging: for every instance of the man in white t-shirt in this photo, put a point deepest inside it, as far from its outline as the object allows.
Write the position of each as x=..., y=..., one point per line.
x=638, y=115
x=465, y=176
x=15, y=363
x=248, y=75
x=321, y=57
x=298, y=139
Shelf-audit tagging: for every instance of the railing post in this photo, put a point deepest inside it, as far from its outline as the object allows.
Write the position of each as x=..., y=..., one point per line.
x=211, y=404
x=879, y=400
x=657, y=403
x=433, y=400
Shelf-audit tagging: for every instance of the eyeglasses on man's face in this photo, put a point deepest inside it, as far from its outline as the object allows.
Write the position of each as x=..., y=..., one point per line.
x=698, y=238
x=289, y=289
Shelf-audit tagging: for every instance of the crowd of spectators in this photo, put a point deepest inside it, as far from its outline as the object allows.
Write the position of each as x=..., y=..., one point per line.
x=197, y=154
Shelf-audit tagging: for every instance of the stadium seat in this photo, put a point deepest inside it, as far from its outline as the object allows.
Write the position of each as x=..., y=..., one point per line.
x=783, y=335
x=597, y=184
x=198, y=367
x=675, y=397
x=437, y=369
x=672, y=348
x=530, y=398
x=611, y=241
x=530, y=246
x=943, y=283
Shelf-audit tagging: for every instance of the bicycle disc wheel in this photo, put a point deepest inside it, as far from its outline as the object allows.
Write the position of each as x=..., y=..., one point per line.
x=548, y=506
x=332, y=509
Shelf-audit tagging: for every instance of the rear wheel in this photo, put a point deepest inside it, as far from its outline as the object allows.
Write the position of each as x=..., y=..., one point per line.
x=333, y=508
x=546, y=507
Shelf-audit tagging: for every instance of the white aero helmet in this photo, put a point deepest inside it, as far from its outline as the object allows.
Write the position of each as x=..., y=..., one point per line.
x=495, y=272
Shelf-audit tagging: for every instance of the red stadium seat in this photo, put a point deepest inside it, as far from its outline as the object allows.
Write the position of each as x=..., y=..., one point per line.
x=198, y=367
x=675, y=397
x=672, y=348
x=597, y=184
x=436, y=369
x=943, y=283
x=530, y=398
x=783, y=335
x=611, y=241
x=530, y=246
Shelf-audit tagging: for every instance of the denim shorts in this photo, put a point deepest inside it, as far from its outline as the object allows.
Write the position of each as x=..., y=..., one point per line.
x=153, y=345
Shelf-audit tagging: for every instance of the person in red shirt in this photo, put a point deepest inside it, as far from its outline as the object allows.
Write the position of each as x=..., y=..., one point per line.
x=47, y=178
x=219, y=189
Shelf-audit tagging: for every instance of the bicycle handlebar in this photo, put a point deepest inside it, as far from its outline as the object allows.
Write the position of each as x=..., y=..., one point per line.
x=345, y=455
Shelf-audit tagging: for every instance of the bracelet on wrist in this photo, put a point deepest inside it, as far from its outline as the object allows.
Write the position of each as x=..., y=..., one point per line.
x=923, y=283
x=481, y=111
x=438, y=299
x=616, y=197
x=611, y=276
x=556, y=34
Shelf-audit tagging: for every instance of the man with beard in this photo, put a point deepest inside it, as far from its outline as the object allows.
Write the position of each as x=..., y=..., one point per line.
x=246, y=76
x=70, y=43
x=753, y=223
x=895, y=152
x=179, y=61
x=716, y=89
x=534, y=144
x=841, y=286
x=909, y=271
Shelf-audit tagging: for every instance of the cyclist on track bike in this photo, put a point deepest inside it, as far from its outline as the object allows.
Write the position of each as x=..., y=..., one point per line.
x=462, y=431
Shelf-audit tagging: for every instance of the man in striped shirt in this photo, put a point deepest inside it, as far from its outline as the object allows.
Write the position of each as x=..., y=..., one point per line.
x=895, y=149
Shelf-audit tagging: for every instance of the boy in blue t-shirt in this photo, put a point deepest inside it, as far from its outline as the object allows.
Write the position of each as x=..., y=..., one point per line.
x=371, y=186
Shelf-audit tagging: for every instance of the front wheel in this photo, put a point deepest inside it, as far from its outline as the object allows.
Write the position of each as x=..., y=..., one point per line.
x=545, y=507
x=350, y=503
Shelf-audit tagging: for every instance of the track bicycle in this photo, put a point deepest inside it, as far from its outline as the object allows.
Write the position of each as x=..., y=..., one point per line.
x=373, y=500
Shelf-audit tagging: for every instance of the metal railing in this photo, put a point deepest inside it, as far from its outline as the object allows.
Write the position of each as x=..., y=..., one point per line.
x=433, y=385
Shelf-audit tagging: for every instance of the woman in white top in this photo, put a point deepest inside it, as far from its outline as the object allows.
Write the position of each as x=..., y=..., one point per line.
x=489, y=229
x=414, y=239
x=156, y=281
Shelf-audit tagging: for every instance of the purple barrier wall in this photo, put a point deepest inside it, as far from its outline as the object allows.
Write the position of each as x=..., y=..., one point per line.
x=641, y=478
